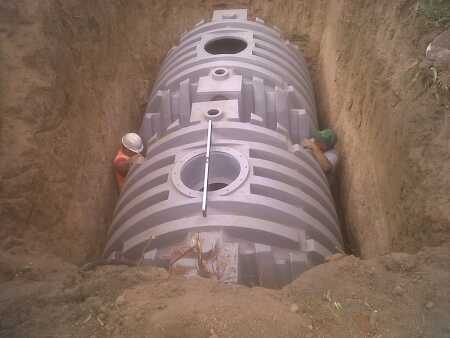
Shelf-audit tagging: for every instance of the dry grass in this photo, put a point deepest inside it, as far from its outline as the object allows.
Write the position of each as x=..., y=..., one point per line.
x=438, y=11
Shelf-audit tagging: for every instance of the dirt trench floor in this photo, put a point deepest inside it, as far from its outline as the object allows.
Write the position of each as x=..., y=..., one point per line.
x=397, y=295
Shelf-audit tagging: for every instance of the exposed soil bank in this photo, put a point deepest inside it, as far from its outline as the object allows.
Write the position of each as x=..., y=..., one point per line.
x=75, y=78
x=371, y=86
x=373, y=89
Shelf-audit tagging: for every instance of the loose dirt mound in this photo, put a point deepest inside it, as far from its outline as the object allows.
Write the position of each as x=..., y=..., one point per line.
x=397, y=295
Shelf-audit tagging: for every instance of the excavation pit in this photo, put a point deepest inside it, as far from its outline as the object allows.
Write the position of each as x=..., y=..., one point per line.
x=76, y=77
x=367, y=83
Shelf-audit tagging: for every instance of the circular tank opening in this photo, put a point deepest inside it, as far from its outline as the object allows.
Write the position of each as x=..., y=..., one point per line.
x=220, y=71
x=225, y=46
x=223, y=170
x=219, y=98
x=213, y=112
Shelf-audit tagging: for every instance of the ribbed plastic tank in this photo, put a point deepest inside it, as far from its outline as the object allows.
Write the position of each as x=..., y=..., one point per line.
x=270, y=214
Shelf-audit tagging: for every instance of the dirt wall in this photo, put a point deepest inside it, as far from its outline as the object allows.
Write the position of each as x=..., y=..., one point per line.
x=75, y=76
x=373, y=87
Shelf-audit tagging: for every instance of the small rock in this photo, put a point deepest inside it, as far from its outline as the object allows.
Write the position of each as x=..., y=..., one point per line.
x=429, y=305
x=120, y=300
x=335, y=257
x=309, y=335
x=294, y=308
x=372, y=271
x=438, y=51
x=373, y=319
x=398, y=290
x=25, y=269
x=161, y=306
x=399, y=261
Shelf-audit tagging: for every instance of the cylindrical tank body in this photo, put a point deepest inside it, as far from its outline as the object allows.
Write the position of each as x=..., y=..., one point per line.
x=270, y=213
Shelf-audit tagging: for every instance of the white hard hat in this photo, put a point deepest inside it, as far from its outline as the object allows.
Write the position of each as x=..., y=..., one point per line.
x=133, y=142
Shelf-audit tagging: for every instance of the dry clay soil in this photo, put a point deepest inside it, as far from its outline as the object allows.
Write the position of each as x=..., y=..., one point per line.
x=70, y=93
x=397, y=295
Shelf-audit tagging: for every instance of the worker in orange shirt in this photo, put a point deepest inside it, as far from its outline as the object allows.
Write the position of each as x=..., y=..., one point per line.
x=128, y=155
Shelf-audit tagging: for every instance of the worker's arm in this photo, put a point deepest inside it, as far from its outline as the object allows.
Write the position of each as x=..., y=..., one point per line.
x=137, y=159
x=324, y=163
x=122, y=166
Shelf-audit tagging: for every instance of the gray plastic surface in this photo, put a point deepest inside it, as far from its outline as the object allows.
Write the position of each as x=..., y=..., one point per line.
x=270, y=211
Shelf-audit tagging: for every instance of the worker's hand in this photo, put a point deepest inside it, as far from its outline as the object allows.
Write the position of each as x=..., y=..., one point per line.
x=137, y=159
x=309, y=144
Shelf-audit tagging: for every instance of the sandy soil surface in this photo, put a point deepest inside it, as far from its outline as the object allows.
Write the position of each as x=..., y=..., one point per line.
x=396, y=295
